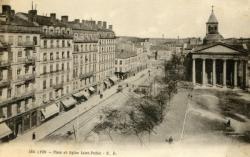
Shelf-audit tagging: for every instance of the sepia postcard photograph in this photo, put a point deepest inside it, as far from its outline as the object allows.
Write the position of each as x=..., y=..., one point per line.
x=125, y=78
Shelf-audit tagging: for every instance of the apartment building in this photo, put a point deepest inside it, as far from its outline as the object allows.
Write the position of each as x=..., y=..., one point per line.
x=84, y=57
x=19, y=44
x=55, y=64
x=107, y=52
x=125, y=63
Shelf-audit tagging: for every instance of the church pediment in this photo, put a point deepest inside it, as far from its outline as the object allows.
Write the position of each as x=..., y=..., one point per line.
x=220, y=49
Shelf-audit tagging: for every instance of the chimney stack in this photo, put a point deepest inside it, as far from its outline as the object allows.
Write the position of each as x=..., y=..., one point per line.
x=99, y=24
x=64, y=19
x=104, y=25
x=77, y=21
x=32, y=15
x=53, y=16
x=6, y=9
x=111, y=27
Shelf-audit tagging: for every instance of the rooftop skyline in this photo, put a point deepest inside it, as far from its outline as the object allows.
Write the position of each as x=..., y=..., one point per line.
x=148, y=18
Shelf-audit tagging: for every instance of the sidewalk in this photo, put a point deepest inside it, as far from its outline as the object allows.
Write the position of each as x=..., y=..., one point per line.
x=63, y=118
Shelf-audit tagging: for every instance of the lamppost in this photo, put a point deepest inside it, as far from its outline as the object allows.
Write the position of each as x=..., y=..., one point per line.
x=185, y=117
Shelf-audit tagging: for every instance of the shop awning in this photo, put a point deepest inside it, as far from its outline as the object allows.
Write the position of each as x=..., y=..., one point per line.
x=78, y=95
x=68, y=102
x=4, y=130
x=106, y=83
x=113, y=79
x=81, y=94
x=85, y=94
x=50, y=111
x=92, y=89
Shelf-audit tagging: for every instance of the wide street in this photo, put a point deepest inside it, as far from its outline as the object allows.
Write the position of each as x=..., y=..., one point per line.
x=85, y=122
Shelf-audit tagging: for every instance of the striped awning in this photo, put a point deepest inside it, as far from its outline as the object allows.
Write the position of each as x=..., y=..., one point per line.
x=68, y=102
x=4, y=130
x=50, y=110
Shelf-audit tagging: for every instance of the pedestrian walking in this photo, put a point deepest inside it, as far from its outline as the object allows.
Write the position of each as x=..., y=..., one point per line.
x=170, y=140
x=228, y=123
x=33, y=136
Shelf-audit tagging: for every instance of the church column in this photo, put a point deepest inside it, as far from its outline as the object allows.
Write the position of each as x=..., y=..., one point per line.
x=214, y=72
x=203, y=71
x=224, y=73
x=194, y=73
x=235, y=73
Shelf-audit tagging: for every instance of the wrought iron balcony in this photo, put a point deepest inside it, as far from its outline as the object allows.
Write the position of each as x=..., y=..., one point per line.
x=58, y=86
x=57, y=36
x=4, y=83
x=27, y=77
x=17, y=97
x=86, y=75
x=26, y=44
x=4, y=64
x=30, y=60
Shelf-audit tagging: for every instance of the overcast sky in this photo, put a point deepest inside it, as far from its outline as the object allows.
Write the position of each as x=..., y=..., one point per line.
x=152, y=18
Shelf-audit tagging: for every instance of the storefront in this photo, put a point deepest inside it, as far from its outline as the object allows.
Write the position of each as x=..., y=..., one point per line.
x=5, y=132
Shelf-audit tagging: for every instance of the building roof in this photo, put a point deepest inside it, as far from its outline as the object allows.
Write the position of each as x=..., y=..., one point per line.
x=123, y=54
x=212, y=18
x=16, y=20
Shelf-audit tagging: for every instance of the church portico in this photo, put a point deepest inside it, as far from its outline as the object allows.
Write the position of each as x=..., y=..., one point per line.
x=219, y=71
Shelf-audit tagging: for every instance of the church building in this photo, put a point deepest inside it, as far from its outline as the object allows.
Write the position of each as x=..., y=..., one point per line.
x=217, y=64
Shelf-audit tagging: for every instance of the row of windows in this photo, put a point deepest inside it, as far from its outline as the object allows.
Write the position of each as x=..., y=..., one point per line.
x=85, y=36
x=57, y=67
x=85, y=47
x=84, y=82
x=56, y=94
x=106, y=41
x=56, y=43
x=25, y=70
x=57, y=55
x=84, y=58
x=19, y=107
x=107, y=49
x=57, y=30
x=51, y=83
x=20, y=40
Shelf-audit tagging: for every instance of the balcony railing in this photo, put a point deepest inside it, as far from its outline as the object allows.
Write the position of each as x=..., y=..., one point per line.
x=4, y=83
x=86, y=75
x=27, y=60
x=57, y=36
x=17, y=97
x=26, y=44
x=58, y=86
x=27, y=77
x=25, y=94
x=30, y=60
x=4, y=64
